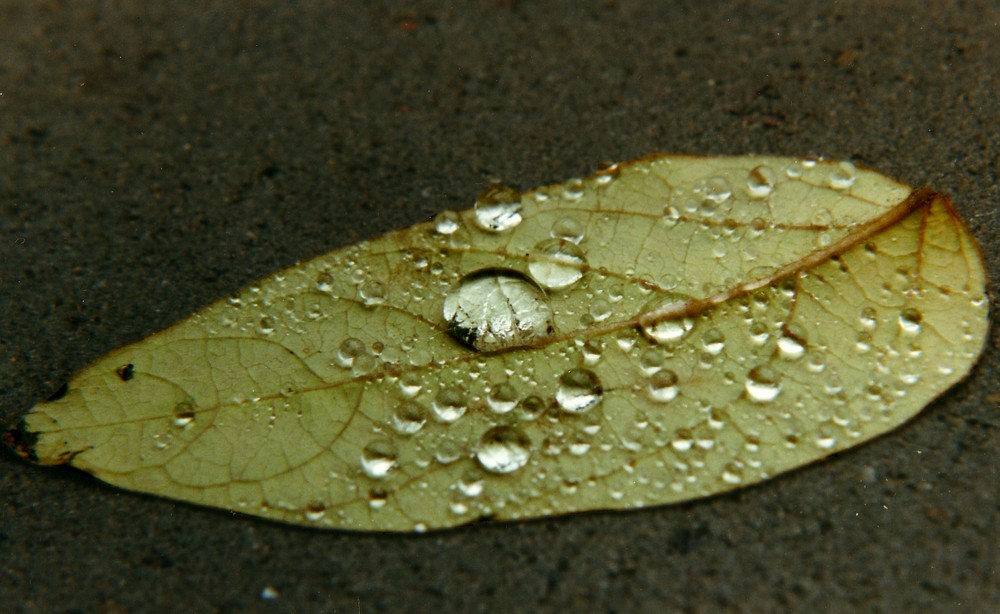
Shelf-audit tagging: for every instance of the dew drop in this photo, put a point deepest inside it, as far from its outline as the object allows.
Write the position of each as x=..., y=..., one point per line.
x=759, y=333
x=498, y=209
x=503, y=449
x=471, y=483
x=843, y=176
x=567, y=228
x=324, y=282
x=869, y=318
x=372, y=292
x=447, y=222
x=557, y=264
x=364, y=364
x=909, y=321
x=600, y=309
x=378, y=458
x=713, y=341
x=183, y=414
x=574, y=189
x=449, y=405
x=377, y=498
x=790, y=346
x=794, y=170
x=651, y=361
x=717, y=190
x=349, y=351
x=502, y=398
x=763, y=384
x=408, y=418
x=531, y=408
x=494, y=309
x=669, y=330
x=410, y=383
x=579, y=390
x=761, y=182
x=663, y=386
x=265, y=325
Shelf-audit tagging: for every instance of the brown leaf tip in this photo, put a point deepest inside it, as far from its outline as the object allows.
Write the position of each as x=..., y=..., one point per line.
x=22, y=441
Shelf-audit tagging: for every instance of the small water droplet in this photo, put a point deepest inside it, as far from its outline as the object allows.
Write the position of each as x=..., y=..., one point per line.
x=574, y=189
x=503, y=449
x=372, y=292
x=498, y=209
x=600, y=309
x=672, y=330
x=843, y=176
x=663, y=386
x=378, y=458
x=790, y=346
x=816, y=361
x=863, y=344
x=324, y=282
x=502, y=398
x=909, y=321
x=410, y=383
x=531, y=408
x=651, y=360
x=447, y=222
x=183, y=414
x=869, y=318
x=761, y=181
x=265, y=325
x=567, y=228
x=377, y=498
x=717, y=190
x=471, y=483
x=449, y=405
x=579, y=390
x=494, y=309
x=314, y=511
x=759, y=333
x=408, y=418
x=763, y=384
x=794, y=170
x=557, y=264
x=713, y=341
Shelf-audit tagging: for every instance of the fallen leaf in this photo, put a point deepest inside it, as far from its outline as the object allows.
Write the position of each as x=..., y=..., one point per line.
x=668, y=329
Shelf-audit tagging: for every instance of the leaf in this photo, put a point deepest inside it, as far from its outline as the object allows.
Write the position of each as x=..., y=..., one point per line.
x=669, y=329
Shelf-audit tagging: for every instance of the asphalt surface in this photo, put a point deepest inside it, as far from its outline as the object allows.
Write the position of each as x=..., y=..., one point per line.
x=157, y=156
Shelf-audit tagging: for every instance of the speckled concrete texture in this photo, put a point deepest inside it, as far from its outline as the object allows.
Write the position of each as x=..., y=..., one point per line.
x=157, y=156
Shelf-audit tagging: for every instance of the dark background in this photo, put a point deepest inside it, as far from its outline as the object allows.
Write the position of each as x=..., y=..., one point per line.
x=156, y=158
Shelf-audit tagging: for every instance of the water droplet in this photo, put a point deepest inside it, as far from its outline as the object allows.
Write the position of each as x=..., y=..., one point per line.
x=557, y=264
x=600, y=309
x=531, y=407
x=567, y=228
x=794, y=170
x=592, y=350
x=377, y=498
x=864, y=343
x=449, y=405
x=790, y=346
x=663, y=386
x=408, y=418
x=471, y=483
x=869, y=318
x=763, y=384
x=717, y=190
x=909, y=321
x=364, y=364
x=410, y=383
x=574, y=189
x=378, y=458
x=651, y=360
x=494, y=309
x=265, y=325
x=761, y=182
x=503, y=449
x=816, y=361
x=498, y=209
x=447, y=222
x=372, y=292
x=825, y=438
x=759, y=333
x=314, y=511
x=669, y=330
x=713, y=341
x=579, y=390
x=732, y=474
x=502, y=398
x=324, y=282
x=843, y=176
x=183, y=414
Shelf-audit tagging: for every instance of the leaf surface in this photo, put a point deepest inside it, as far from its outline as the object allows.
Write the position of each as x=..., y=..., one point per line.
x=668, y=329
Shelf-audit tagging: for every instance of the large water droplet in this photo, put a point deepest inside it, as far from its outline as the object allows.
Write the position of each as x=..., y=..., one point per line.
x=763, y=384
x=761, y=182
x=557, y=264
x=579, y=390
x=498, y=209
x=378, y=458
x=449, y=405
x=503, y=449
x=493, y=309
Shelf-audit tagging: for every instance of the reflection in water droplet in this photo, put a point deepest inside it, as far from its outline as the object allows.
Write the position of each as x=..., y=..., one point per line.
x=447, y=222
x=557, y=264
x=498, y=209
x=502, y=398
x=494, y=309
x=663, y=386
x=909, y=321
x=378, y=458
x=843, y=176
x=449, y=405
x=579, y=390
x=567, y=228
x=503, y=449
x=408, y=418
x=761, y=182
x=763, y=384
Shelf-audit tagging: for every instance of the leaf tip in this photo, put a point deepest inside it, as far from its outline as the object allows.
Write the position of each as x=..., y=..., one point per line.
x=20, y=440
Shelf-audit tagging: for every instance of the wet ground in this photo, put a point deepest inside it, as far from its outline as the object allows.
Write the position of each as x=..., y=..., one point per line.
x=156, y=159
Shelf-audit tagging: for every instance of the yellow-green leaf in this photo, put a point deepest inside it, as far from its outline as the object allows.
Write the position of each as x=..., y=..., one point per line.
x=668, y=329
